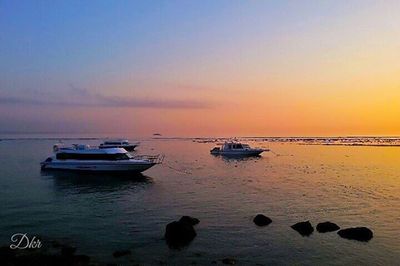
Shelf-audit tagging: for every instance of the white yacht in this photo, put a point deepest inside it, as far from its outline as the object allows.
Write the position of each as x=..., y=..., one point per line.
x=119, y=144
x=236, y=149
x=85, y=158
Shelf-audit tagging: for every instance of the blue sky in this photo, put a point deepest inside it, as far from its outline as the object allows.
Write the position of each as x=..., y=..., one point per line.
x=74, y=40
x=146, y=56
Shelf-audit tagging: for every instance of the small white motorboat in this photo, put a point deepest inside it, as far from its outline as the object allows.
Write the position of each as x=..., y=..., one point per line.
x=236, y=149
x=119, y=144
x=85, y=158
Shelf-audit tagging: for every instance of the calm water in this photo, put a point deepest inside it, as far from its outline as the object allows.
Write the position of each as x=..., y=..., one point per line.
x=352, y=186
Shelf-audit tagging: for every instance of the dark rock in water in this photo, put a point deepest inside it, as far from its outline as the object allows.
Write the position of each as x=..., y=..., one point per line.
x=356, y=233
x=7, y=255
x=55, y=244
x=179, y=234
x=304, y=228
x=327, y=227
x=120, y=253
x=41, y=257
x=67, y=250
x=189, y=220
x=81, y=260
x=262, y=220
x=229, y=261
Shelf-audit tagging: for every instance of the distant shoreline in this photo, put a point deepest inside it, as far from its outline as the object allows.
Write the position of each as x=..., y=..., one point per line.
x=326, y=141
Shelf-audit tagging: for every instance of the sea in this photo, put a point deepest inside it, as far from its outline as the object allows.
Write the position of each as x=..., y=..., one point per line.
x=350, y=185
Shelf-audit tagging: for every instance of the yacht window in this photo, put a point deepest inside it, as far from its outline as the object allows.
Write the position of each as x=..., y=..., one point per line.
x=121, y=156
x=98, y=156
x=112, y=143
x=239, y=146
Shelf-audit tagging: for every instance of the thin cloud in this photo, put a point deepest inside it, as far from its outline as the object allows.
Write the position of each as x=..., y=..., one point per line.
x=151, y=103
x=107, y=101
x=79, y=91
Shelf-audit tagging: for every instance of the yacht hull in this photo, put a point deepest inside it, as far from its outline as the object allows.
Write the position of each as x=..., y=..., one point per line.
x=98, y=166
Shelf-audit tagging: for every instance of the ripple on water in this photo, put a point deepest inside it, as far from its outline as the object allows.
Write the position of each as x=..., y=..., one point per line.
x=351, y=186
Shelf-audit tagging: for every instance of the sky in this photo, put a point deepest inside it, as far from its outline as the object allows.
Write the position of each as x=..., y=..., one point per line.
x=200, y=68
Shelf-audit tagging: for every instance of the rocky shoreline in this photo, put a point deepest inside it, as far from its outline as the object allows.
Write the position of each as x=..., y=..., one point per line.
x=178, y=234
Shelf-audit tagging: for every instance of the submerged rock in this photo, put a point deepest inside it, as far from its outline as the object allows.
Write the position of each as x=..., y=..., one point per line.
x=229, y=261
x=327, y=227
x=179, y=234
x=262, y=220
x=7, y=254
x=41, y=257
x=81, y=260
x=304, y=228
x=55, y=244
x=120, y=253
x=356, y=233
x=190, y=220
x=67, y=250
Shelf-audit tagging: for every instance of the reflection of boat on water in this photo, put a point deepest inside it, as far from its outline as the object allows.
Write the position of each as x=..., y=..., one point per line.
x=119, y=144
x=97, y=182
x=236, y=149
x=84, y=158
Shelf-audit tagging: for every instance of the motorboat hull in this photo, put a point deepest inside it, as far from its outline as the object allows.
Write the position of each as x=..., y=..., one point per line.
x=98, y=166
x=238, y=153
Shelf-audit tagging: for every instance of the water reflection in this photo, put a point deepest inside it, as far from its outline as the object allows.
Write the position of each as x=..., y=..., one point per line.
x=239, y=158
x=83, y=182
x=351, y=186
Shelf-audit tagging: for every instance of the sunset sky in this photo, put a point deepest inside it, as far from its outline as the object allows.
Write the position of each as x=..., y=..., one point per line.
x=200, y=68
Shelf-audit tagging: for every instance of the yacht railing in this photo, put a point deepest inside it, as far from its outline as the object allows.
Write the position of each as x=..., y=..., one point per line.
x=157, y=159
